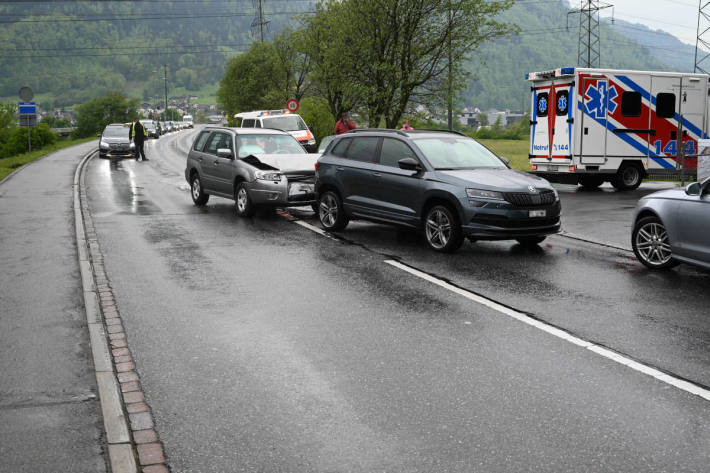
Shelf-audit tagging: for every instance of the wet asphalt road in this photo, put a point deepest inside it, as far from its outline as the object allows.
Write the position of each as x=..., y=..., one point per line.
x=263, y=346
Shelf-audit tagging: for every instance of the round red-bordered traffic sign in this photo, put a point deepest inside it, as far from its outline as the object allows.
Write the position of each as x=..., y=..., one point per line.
x=292, y=105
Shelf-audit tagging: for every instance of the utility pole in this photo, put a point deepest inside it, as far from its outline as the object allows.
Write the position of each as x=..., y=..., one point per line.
x=165, y=70
x=703, y=37
x=589, y=43
x=259, y=20
x=450, y=98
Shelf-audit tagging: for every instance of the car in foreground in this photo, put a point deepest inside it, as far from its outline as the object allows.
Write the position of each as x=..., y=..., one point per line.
x=254, y=167
x=444, y=183
x=673, y=226
x=114, y=141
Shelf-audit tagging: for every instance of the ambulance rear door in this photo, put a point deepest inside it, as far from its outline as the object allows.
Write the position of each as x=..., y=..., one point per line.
x=540, y=130
x=560, y=118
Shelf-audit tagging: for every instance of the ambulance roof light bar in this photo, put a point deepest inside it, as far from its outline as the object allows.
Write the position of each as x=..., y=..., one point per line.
x=563, y=71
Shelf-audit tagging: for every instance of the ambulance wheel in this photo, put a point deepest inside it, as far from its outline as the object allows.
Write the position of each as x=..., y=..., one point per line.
x=591, y=182
x=628, y=178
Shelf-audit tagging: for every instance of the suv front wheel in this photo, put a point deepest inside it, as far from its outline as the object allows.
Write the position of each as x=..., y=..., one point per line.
x=245, y=207
x=442, y=230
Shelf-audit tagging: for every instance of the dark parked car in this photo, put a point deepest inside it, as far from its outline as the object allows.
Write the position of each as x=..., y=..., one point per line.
x=673, y=226
x=446, y=184
x=151, y=130
x=114, y=141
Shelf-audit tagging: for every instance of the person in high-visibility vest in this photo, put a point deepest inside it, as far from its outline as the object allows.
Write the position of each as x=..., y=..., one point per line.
x=137, y=135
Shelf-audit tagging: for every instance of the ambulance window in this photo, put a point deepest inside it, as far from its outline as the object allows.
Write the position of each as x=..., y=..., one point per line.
x=562, y=105
x=248, y=123
x=665, y=105
x=543, y=104
x=631, y=104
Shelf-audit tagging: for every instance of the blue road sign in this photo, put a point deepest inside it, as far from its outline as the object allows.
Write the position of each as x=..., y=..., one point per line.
x=28, y=108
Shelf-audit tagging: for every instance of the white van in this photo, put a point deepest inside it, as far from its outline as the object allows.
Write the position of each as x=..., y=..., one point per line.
x=282, y=120
x=187, y=121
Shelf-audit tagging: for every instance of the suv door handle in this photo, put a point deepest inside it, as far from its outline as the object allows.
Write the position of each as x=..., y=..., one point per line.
x=199, y=159
x=376, y=174
x=338, y=168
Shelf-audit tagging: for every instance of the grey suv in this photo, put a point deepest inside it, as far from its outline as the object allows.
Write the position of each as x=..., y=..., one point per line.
x=255, y=167
x=445, y=183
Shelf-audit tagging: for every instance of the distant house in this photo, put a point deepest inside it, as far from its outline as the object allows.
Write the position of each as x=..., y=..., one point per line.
x=469, y=116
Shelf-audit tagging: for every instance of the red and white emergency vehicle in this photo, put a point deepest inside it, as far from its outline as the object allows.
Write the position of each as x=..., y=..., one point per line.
x=283, y=120
x=589, y=126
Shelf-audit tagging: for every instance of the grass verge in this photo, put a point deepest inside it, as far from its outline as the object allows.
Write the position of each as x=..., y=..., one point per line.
x=515, y=150
x=8, y=165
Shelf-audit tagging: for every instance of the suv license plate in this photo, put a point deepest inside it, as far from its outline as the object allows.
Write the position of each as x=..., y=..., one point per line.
x=538, y=213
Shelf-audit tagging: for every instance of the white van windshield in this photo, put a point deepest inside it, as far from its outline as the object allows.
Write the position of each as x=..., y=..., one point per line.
x=267, y=144
x=287, y=123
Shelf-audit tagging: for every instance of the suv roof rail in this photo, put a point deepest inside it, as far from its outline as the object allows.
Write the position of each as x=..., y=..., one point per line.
x=387, y=130
x=428, y=130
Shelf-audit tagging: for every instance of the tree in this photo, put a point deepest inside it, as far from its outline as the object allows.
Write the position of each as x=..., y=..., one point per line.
x=407, y=50
x=252, y=81
x=94, y=115
x=295, y=62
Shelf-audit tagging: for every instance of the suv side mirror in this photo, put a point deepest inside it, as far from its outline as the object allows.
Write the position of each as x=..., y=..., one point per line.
x=225, y=153
x=693, y=189
x=409, y=164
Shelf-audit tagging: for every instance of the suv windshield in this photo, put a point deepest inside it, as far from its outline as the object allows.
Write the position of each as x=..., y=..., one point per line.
x=287, y=123
x=267, y=144
x=115, y=132
x=456, y=152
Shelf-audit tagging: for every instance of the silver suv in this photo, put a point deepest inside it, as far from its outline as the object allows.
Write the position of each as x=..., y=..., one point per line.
x=254, y=167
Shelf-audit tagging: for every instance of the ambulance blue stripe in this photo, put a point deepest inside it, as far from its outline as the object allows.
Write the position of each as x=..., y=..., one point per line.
x=644, y=150
x=534, y=106
x=570, y=109
x=644, y=93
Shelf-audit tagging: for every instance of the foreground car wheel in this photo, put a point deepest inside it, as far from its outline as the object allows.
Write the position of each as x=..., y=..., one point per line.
x=331, y=212
x=442, y=230
x=651, y=245
x=245, y=207
x=198, y=197
x=531, y=242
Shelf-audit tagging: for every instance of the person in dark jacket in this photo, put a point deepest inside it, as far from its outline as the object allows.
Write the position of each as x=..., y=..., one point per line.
x=343, y=125
x=137, y=136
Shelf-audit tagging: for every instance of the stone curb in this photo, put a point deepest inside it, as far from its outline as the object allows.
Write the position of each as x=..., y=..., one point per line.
x=128, y=422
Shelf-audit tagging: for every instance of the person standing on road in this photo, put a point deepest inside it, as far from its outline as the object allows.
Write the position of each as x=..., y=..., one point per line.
x=406, y=126
x=344, y=124
x=137, y=136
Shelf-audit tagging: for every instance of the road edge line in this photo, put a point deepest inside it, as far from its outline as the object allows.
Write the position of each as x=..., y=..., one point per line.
x=573, y=236
x=667, y=378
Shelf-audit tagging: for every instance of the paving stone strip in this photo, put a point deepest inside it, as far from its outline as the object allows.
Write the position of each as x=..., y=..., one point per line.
x=128, y=421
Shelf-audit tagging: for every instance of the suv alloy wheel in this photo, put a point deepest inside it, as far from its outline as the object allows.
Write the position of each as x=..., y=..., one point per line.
x=442, y=230
x=245, y=207
x=331, y=212
x=651, y=245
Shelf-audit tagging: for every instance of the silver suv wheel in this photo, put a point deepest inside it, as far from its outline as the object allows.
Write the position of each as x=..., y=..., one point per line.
x=328, y=210
x=438, y=228
x=652, y=245
x=242, y=199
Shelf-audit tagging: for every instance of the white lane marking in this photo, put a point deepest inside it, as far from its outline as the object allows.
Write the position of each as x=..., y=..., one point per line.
x=312, y=228
x=605, y=352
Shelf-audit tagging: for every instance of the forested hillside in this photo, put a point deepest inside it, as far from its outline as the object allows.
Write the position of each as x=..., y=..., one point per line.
x=70, y=52
x=544, y=43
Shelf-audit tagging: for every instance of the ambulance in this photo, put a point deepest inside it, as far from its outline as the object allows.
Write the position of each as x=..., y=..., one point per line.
x=590, y=126
x=282, y=120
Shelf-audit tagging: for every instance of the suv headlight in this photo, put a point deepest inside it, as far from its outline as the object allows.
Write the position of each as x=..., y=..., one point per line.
x=312, y=142
x=103, y=144
x=267, y=175
x=483, y=194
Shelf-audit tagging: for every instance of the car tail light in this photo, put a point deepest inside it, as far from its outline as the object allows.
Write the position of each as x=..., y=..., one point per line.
x=572, y=169
x=316, y=165
x=534, y=167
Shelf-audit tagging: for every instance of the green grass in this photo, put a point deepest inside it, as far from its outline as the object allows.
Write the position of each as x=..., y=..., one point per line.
x=515, y=150
x=7, y=165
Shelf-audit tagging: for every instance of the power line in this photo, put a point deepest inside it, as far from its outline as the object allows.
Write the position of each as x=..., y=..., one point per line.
x=134, y=18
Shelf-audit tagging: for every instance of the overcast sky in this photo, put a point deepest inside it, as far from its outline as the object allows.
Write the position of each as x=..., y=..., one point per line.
x=678, y=17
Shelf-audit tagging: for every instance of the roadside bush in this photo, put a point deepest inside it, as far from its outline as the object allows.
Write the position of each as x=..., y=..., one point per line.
x=13, y=141
x=316, y=114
